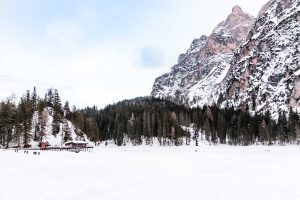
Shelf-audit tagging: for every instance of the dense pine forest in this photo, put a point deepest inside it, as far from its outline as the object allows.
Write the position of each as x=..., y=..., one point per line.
x=143, y=119
x=139, y=120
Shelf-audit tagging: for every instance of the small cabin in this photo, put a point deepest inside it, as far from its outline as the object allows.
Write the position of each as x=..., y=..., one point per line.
x=44, y=145
x=76, y=144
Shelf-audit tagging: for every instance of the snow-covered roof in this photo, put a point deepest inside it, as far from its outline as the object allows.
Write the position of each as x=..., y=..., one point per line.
x=76, y=142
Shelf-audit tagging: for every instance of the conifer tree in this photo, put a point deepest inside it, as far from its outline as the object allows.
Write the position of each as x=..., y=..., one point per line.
x=26, y=110
x=66, y=132
x=67, y=110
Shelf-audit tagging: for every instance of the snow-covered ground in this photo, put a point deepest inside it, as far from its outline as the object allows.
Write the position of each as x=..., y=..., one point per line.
x=153, y=173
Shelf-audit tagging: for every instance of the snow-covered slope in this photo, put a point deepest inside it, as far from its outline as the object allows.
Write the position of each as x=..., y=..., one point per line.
x=42, y=130
x=193, y=80
x=265, y=71
x=244, y=62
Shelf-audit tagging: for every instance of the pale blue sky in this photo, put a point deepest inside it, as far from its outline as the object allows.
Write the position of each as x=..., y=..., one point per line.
x=99, y=52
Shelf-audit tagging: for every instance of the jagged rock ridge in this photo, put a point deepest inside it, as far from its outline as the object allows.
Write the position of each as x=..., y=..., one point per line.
x=265, y=71
x=193, y=80
x=245, y=62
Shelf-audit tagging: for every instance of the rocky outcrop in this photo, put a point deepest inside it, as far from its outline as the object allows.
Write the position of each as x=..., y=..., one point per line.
x=194, y=79
x=245, y=63
x=265, y=70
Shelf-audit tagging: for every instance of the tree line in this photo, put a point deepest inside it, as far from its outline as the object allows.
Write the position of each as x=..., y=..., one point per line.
x=139, y=120
x=143, y=119
x=27, y=119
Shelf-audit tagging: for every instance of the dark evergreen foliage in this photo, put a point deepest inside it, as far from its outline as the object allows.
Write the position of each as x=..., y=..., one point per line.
x=147, y=118
x=143, y=119
x=22, y=123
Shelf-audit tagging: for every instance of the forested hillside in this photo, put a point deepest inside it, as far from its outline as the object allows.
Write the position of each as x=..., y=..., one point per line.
x=147, y=119
x=141, y=120
x=31, y=120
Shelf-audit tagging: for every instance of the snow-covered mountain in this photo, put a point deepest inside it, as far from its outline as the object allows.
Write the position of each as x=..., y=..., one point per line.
x=265, y=70
x=193, y=80
x=245, y=61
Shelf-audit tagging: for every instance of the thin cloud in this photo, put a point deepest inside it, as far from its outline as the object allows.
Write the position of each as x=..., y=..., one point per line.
x=96, y=46
x=150, y=57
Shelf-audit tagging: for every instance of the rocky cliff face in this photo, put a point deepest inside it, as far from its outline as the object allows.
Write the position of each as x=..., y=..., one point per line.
x=245, y=62
x=265, y=71
x=193, y=80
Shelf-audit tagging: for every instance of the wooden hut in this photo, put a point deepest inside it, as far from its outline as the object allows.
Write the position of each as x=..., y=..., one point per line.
x=44, y=145
x=76, y=144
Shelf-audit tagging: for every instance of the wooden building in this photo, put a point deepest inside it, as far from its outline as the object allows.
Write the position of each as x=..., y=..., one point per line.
x=76, y=144
x=44, y=145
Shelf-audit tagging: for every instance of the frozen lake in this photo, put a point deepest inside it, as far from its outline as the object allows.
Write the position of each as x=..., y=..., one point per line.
x=152, y=173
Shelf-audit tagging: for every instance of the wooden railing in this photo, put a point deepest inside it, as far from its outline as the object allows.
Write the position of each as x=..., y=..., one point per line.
x=71, y=149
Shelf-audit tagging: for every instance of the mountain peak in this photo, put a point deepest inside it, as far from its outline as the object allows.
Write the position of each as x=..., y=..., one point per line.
x=237, y=10
x=194, y=78
x=237, y=24
x=246, y=63
x=264, y=72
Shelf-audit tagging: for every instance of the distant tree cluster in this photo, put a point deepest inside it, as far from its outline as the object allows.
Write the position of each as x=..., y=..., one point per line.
x=26, y=120
x=147, y=118
x=138, y=120
x=141, y=119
